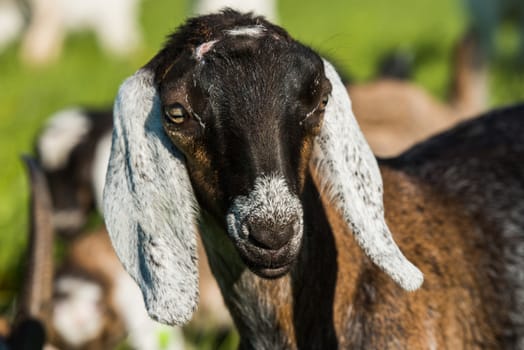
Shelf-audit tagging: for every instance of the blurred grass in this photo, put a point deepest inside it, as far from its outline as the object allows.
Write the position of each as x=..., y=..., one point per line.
x=355, y=33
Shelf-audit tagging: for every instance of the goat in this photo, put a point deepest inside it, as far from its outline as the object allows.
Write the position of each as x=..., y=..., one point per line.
x=73, y=149
x=297, y=217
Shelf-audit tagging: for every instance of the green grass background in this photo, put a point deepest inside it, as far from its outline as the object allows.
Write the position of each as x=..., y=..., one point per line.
x=355, y=33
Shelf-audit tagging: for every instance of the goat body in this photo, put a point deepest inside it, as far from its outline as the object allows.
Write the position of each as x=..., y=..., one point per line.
x=334, y=297
x=297, y=217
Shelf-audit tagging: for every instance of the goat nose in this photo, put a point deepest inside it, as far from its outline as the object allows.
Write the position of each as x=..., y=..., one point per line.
x=271, y=236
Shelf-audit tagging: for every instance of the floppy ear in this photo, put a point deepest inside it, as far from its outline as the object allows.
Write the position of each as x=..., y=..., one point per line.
x=149, y=205
x=348, y=175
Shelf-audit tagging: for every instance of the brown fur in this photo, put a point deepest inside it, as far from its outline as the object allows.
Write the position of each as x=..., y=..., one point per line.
x=447, y=312
x=335, y=297
x=332, y=296
x=94, y=254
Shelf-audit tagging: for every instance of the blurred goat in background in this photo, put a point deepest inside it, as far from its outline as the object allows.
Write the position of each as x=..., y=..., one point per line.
x=395, y=114
x=45, y=24
x=115, y=23
x=79, y=306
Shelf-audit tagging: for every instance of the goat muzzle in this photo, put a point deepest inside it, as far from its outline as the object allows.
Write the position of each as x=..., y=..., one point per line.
x=266, y=227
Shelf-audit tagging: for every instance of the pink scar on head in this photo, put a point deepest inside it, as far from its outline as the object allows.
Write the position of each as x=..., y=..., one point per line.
x=202, y=49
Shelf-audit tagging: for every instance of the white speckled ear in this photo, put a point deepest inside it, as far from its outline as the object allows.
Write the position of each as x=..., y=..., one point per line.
x=149, y=205
x=348, y=175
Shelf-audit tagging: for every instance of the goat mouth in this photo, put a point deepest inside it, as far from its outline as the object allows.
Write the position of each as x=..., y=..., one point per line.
x=268, y=263
x=271, y=273
x=266, y=226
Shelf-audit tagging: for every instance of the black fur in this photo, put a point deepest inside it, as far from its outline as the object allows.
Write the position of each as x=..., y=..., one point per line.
x=480, y=163
x=242, y=130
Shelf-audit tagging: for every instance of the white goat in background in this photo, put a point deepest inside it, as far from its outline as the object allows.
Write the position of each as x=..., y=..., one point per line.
x=115, y=23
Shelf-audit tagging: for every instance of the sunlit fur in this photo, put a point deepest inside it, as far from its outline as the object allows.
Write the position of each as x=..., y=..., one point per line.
x=248, y=106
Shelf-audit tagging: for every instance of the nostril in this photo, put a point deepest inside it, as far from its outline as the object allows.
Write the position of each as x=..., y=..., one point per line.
x=262, y=242
x=270, y=236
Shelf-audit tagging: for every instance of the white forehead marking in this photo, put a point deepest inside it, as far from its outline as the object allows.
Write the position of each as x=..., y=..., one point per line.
x=202, y=49
x=254, y=31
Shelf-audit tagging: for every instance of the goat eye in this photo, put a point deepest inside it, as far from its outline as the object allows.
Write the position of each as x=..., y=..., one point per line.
x=323, y=103
x=176, y=113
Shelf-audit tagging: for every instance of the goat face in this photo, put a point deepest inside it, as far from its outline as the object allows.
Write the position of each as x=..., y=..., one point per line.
x=231, y=112
x=247, y=153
